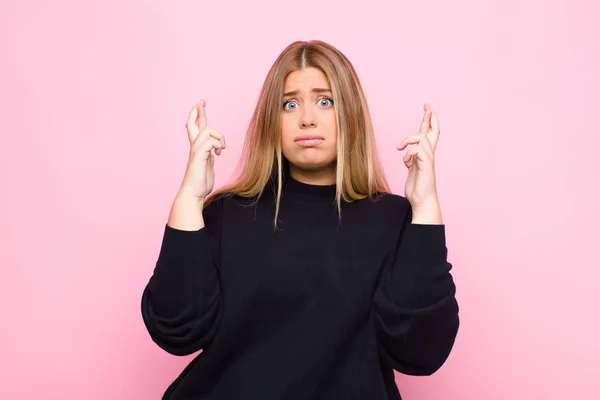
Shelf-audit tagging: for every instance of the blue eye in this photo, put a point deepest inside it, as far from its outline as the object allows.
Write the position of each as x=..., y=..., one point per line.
x=290, y=105
x=287, y=103
x=326, y=102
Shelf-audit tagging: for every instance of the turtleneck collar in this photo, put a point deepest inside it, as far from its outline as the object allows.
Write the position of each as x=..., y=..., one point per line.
x=296, y=189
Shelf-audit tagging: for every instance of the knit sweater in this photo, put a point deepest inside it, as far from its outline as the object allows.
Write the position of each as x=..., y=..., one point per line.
x=319, y=308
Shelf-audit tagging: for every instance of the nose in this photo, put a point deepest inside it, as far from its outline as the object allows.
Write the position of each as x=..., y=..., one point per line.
x=308, y=119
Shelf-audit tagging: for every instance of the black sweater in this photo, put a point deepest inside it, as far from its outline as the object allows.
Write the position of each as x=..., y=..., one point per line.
x=319, y=309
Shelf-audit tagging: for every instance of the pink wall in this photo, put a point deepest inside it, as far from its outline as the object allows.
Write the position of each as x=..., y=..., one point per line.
x=93, y=101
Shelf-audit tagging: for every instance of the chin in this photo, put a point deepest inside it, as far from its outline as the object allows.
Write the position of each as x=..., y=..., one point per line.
x=312, y=165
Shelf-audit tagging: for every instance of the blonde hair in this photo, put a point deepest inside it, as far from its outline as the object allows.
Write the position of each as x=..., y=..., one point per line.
x=359, y=173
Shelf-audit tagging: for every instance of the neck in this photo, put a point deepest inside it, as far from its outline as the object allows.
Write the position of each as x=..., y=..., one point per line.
x=323, y=176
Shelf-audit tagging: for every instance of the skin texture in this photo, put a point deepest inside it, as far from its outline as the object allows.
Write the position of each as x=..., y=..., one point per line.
x=309, y=111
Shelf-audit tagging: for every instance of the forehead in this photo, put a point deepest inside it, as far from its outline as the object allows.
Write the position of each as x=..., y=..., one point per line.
x=306, y=79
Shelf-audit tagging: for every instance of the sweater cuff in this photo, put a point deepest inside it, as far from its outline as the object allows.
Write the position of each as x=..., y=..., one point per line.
x=425, y=243
x=184, y=250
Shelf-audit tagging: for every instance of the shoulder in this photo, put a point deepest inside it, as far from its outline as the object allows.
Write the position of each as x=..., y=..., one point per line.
x=212, y=210
x=216, y=207
x=219, y=203
x=389, y=205
x=382, y=211
x=379, y=219
x=391, y=200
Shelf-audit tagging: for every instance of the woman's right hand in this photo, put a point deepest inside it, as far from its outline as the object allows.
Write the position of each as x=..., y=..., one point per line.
x=199, y=177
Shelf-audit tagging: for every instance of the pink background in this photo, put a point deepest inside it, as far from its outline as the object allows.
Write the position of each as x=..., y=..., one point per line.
x=93, y=102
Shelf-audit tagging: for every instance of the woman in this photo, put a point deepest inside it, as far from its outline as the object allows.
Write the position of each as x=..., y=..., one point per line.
x=305, y=278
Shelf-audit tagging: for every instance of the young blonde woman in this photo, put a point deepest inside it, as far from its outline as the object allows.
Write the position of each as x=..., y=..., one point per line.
x=305, y=278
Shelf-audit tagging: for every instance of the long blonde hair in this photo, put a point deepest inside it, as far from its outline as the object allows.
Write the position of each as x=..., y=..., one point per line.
x=359, y=173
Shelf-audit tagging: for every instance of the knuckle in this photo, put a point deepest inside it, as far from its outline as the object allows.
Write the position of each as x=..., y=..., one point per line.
x=204, y=133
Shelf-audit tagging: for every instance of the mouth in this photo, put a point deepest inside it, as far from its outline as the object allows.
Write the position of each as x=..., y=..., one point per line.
x=309, y=141
x=308, y=138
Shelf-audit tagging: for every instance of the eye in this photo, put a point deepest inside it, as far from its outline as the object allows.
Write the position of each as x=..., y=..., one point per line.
x=290, y=105
x=326, y=102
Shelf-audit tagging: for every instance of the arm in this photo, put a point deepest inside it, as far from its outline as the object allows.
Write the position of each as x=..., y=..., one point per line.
x=416, y=312
x=181, y=304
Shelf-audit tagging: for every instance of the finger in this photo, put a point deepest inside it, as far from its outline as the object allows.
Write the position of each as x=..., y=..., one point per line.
x=211, y=144
x=207, y=144
x=218, y=135
x=211, y=164
x=410, y=155
x=191, y=122
x=425, y=143
x=425, y=123
x=413, y=154
x=413, y=151
x=202, y=115
x=212, y=133
x=209, y=132
x=417, y=139
x=217, y=146
x=435, y=125
x=435, y=130
x=422, y=151
x=412, y=139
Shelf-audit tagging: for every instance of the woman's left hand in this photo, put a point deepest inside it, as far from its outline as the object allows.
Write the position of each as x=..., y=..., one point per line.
x=420, y=188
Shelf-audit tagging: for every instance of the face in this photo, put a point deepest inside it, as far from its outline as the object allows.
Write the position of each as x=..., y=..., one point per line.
x=308, y=123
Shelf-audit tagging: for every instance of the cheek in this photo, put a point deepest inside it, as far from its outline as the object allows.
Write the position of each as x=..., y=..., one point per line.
x=332, y=127
x=287, y=126
x=329, y=119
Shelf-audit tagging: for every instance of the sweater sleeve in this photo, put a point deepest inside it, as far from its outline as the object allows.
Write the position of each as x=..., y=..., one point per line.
x=416, y=312
x=181, y=303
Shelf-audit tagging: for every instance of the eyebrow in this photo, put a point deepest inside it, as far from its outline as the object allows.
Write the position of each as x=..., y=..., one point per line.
x=315, y=90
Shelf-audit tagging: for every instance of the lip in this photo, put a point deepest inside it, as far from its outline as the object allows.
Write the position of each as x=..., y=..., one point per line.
x=309, y=140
